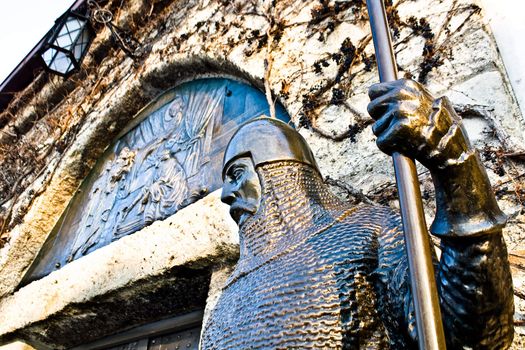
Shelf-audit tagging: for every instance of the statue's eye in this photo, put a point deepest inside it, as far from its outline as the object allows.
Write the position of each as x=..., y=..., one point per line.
x=237, y=173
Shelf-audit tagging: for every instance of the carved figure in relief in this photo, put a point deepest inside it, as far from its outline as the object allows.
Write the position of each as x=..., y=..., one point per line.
x=167, y=189
x=152, y=194
x=315, y=272
x=109, y=190
x=90, y=223
x=155, y=184
x=116, y=189
x=158, y=185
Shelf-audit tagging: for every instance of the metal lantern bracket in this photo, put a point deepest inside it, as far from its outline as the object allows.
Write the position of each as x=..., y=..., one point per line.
x=122, y=38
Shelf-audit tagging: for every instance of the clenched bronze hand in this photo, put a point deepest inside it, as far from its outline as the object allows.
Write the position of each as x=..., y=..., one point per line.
x=410, y=121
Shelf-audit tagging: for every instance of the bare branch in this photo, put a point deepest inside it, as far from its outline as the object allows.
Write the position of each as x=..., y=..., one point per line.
x=350, y=190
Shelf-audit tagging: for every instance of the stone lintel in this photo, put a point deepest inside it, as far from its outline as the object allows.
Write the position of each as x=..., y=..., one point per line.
x=161, y=271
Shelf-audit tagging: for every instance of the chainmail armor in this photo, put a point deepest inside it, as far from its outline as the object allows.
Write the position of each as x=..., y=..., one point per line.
x=305, y=278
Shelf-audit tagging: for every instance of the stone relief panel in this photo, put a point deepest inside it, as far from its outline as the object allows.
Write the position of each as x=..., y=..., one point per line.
x=169, y=158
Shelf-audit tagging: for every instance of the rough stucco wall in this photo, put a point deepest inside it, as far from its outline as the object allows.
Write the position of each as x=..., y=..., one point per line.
x=317, y=59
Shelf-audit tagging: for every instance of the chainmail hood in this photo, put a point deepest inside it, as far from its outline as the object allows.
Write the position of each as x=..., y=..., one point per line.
x=295, y=204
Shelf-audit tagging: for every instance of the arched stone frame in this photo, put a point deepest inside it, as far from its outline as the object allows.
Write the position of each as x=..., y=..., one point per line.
x=138, y=265
x=113, y=112
x=166, y=158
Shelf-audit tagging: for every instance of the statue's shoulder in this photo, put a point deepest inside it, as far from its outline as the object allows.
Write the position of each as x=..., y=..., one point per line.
x=380, y=223
x=369, y=224
x=373, y=215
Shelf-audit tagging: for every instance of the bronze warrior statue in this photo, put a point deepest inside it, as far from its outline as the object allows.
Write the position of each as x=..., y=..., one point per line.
x=315, y=272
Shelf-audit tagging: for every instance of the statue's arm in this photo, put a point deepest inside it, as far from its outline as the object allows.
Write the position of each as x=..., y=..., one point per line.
x=473, y=274
x=475, y=290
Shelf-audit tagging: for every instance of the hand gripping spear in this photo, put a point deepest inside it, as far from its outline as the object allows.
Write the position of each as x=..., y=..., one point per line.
x=422, y=280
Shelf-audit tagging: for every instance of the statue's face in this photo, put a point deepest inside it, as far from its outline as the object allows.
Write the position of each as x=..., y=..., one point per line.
x=241, y=189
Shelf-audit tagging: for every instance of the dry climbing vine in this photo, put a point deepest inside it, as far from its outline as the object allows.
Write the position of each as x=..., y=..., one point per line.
x=57, y=116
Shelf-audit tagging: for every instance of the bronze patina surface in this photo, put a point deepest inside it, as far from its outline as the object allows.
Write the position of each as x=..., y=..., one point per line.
x=315, y=272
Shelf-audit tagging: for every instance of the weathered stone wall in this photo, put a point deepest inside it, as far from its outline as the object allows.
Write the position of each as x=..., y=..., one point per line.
x=161, y=270
x=316, y=58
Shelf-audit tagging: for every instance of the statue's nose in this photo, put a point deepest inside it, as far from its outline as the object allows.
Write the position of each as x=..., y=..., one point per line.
x=228, y=195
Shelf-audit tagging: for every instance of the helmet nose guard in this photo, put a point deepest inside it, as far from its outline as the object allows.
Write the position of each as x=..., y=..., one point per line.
x=267, y=140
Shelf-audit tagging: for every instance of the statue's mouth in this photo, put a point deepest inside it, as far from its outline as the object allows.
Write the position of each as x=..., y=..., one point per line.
x=236, y=214
x=241, y=211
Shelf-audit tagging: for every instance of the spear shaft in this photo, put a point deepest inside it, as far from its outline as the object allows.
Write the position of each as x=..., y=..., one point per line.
x=422, y=280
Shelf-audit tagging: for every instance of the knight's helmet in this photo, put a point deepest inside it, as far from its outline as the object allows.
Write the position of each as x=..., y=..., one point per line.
x=268, y=140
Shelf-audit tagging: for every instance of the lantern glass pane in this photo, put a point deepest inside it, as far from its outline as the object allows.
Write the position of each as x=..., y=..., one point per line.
x=69, y=33
x=74, y=24
x=64, y=41
x=82, y=44
x=48, y=55
x=67, y=44
x=62, y=63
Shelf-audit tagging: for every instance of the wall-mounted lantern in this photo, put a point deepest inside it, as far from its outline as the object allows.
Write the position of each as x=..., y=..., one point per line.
x=67, y=43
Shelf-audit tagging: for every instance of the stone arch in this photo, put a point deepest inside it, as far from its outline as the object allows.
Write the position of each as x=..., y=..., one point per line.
x=106, y=119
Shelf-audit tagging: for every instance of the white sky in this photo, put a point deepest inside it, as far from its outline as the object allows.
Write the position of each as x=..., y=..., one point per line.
x=22, y=24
